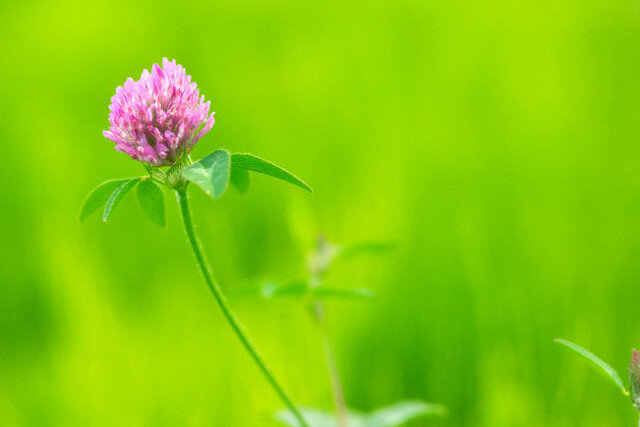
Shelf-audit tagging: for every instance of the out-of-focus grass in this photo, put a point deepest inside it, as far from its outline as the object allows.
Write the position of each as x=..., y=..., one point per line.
x=496, y=143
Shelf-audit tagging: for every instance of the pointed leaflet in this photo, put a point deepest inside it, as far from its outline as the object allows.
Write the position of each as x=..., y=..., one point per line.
x=117, y=196
x=596, y=361
x=151, y=199
x=99, y=196
x=240, y=179
x=210, y=173
x=256, y=164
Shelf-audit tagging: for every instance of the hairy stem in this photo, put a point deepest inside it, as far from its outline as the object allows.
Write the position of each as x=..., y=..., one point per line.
x=183, y=201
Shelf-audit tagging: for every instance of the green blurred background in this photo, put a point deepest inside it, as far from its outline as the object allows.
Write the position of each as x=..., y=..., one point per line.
x=496, y=143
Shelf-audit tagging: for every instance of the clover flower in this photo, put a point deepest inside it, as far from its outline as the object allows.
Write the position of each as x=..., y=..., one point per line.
x=155, y=119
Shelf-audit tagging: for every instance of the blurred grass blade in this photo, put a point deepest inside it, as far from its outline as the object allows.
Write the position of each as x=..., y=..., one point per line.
x=345, y=293
x=402, y=412
x=366, y=248
x=151, y=199
x=596, y=361
x=250, y=162
x=240, y=179
x=117, y=196
x=211, y=173
x=99, y=196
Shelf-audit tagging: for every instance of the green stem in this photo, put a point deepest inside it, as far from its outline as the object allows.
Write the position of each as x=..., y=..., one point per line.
x=332, y=367
x=323, y=256
x=183, y=201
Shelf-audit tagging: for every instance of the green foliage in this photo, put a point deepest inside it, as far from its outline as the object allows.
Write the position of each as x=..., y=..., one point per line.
x=313, y=416
x=389, y=416
x=211, y=173
x=503, y=157
x=99, y=197
x=240, y=179
x=300, y=288
x=293, y=289
x=111, y=192
x=605, y=367
x=117, y=196
x=151, y=199
x=402, y=412
x=256, y=164
x=324, y=292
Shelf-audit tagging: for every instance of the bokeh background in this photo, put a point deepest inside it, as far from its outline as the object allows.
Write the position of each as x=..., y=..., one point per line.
x=495, y=143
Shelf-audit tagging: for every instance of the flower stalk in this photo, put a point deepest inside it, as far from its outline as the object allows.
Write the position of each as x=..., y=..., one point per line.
x=183, y=201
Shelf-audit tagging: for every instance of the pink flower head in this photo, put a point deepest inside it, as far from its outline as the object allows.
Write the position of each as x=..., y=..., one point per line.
x=155, y=119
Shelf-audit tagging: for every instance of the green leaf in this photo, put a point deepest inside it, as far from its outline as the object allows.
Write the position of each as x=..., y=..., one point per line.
x=293, y=289
x=211, y=173
x=99, y=196
x=117, y=196
x=402, y=412
x=366, y=248
x=347, y=293
x=313, y=416
x=240, y=179
x=394, y=415
x=300, y=288
x=596, y=361
x=270, y=289
x=151, y=199
x=256, y=164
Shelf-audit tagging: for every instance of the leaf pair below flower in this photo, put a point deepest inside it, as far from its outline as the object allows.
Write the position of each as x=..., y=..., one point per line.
x=213, y=172
x=110, y=193
x=151, y=199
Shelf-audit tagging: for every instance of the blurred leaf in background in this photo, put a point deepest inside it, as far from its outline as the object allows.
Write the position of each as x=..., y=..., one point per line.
x=394, y=415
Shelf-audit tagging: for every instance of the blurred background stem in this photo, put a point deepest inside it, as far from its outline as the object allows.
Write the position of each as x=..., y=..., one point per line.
x=332, y=367
x=319, y=262
x=183, y=201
